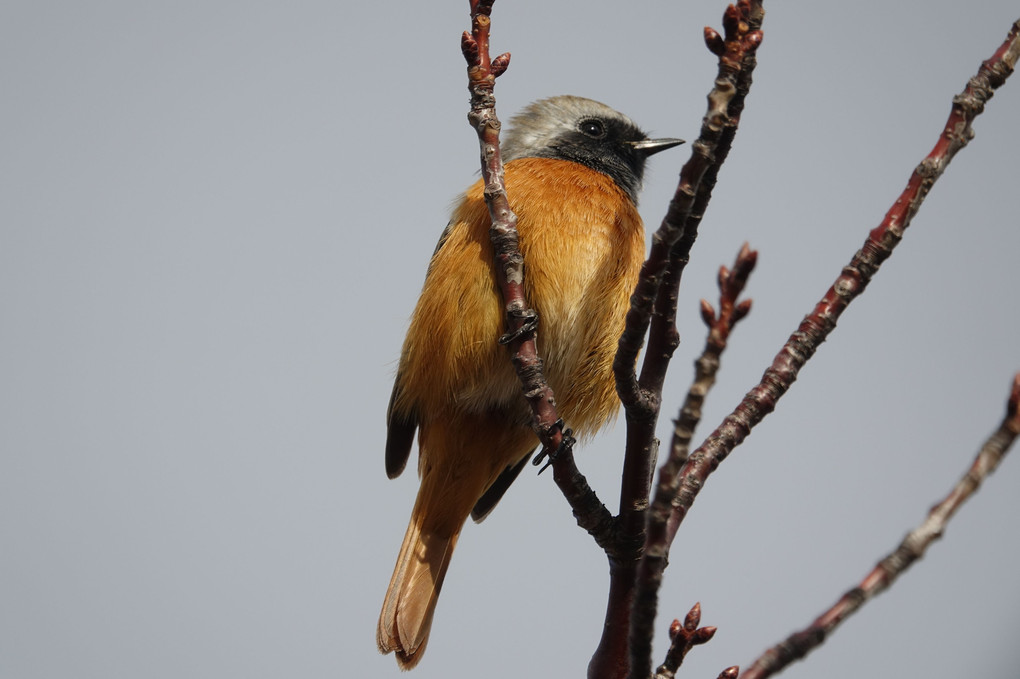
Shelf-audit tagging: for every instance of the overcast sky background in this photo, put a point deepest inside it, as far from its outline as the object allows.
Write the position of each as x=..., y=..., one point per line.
x=215, y=219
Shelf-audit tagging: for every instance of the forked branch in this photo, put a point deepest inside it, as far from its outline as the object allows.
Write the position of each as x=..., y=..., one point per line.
x=653, y=310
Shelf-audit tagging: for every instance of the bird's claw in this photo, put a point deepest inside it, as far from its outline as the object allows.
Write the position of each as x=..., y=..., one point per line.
x=528, y=326
x=566, y=443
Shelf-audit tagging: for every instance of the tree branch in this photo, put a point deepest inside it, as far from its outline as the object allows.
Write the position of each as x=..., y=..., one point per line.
x=656, y=551
x=521, y=319
x=817, y=325
x=913, y=547
x=655, y=556
x=653, y=310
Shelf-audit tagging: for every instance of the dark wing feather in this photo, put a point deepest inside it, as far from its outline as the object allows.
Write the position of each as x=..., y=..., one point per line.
x=487, y=502
x=400, y=428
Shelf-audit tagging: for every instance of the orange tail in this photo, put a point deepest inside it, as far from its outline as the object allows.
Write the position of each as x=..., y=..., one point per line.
x=456, y=471
x=406, y=616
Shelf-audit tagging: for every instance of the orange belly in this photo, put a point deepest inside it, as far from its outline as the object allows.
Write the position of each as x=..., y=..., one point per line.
x=583, y=245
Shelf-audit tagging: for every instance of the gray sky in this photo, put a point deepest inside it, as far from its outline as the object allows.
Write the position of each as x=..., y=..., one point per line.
x=214, y=222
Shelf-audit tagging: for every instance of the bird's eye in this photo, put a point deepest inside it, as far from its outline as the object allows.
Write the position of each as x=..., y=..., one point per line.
x=592, y=127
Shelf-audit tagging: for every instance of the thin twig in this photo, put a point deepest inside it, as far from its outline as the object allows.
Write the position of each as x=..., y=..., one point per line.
x=653, y=310
x=913, y=547
x=521, y=320
x=731, y=286
x=656, y=551
x=706, y=366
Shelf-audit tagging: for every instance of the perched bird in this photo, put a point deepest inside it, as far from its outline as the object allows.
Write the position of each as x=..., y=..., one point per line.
x=573, y=169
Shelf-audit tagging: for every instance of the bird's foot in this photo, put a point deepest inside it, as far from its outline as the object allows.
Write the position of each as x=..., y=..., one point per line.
x=529, y=325
x=566, y=444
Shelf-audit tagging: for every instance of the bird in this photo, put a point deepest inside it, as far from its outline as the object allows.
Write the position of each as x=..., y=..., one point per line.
x=573, y=170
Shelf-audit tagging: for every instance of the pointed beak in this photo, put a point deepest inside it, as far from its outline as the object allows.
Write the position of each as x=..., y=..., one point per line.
x=648, y=147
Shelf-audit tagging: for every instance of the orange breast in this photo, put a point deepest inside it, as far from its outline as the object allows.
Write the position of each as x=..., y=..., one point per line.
x=583, y=245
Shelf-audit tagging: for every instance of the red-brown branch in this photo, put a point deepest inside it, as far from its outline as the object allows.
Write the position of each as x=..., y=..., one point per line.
x=913, y=547
x=817, y=325
x=656, y=549
x=653, y=311
x=706, y=366
x=521, y=320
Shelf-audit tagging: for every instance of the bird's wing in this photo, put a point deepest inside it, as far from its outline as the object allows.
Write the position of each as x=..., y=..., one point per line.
x=400, y=428
x=487, y=502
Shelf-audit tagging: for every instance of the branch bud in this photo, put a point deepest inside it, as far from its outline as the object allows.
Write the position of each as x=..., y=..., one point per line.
x=714, y=41
x=469, y=48
x=704, y=635
x=707, y=313
x=500, y=64
x=739, y=311
x=693, y=618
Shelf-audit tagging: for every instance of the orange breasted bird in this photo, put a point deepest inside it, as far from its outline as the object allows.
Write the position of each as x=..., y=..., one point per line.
x=573, y=169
